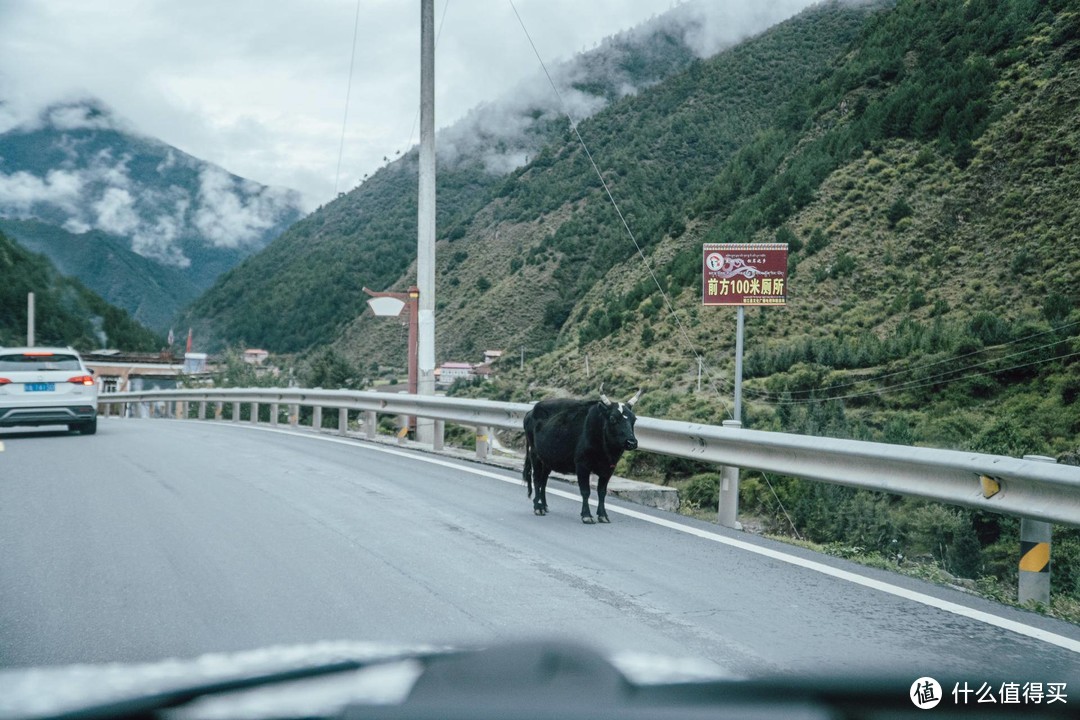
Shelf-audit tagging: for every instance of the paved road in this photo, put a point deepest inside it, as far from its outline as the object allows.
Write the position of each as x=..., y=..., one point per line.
x=159, y=538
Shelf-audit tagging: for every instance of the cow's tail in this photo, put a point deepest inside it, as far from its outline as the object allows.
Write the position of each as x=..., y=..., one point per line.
x=526, y=472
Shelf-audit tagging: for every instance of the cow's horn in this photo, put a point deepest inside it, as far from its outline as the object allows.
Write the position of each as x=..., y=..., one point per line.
x=637, y=396
x=603, y=397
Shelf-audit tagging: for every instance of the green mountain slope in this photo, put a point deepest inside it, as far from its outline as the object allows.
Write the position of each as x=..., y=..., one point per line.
x=924, y=188
x=305, y=287
x=107, y=265
x=520, y=270
x=66, y=313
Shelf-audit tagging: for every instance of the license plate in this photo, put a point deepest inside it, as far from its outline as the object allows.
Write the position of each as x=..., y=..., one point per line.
x=40, y=387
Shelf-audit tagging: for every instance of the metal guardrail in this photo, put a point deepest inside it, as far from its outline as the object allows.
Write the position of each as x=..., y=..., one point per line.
x=1028, y=488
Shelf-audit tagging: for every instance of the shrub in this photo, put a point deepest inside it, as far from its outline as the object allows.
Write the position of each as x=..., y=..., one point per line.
x=703, y=491
x=898, y=211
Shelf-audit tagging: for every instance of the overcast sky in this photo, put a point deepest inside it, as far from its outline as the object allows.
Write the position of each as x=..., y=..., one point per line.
x=259, y=86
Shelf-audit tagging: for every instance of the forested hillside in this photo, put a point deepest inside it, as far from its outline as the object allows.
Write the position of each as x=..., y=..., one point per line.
x=516, y=270
x=306, y=286
x=149, y=291
x=66, y=313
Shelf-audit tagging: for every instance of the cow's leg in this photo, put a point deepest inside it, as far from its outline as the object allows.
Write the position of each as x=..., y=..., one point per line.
x=540, y=477
x=583, y=486
x=601, y=493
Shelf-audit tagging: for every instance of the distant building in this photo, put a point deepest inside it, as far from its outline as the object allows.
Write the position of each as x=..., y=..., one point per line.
x=449, y=372
x=491, y=356
x=194, y=363
x=254, y=356
x=117, y=371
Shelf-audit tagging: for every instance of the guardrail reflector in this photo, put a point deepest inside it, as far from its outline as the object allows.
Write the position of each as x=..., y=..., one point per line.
x=990, y=486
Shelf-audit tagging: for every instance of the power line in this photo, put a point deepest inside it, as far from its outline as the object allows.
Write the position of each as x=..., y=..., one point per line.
x=630, y=233
x=348, y=93
x=940, y=362
x=932, y=380
x=348, y=90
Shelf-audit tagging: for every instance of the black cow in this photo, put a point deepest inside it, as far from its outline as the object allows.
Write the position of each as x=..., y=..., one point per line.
x=579, y=436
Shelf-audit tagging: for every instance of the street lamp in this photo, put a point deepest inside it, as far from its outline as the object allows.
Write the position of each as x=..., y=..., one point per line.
x=390, y=304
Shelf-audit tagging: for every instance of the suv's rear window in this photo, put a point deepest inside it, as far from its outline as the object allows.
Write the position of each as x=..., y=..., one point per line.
x=31, y=363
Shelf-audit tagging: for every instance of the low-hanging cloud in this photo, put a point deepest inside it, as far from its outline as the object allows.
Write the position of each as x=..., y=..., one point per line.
x=503, y=134
x=232, y=214
x=21, y=191
x=116, y=212
x=96, y=191
x=260, y=89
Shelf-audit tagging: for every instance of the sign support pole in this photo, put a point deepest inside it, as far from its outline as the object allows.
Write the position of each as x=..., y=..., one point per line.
x=740, y=274
x=739, y=325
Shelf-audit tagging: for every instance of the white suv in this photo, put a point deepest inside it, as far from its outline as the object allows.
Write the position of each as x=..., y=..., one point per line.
x=47, y=386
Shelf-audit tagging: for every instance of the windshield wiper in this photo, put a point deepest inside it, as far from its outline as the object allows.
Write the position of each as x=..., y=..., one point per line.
x=154, y=703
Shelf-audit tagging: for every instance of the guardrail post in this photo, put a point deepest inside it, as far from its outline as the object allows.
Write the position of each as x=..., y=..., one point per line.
x=236, y=412
x=273, y=413
x=219, y=410
x=371, y=424
x=105, y=410
x=482, y=442
x=404, y=422
x=294, y=415
x=179, y=409
x=1034, y=575
x=438, y=442
x=254, y=413
x=316, y=417
x=343, y=421
x=728, y=510
x=202, y=409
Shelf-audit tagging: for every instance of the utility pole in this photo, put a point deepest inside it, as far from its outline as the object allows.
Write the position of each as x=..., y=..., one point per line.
x=425, y=235
x=30, y=320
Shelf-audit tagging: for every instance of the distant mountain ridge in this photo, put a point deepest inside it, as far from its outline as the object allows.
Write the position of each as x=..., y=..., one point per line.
x=107, y=265
x=81, y=169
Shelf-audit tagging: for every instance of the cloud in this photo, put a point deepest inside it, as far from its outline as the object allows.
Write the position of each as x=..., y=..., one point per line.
x=710, y=27
x=259, y=88
x=157, y=239
x=232, y=214
x=500, y=133
x=116, y=212
x=224, y=211
x=21, y=191
x=76, y=226
x=80, y=116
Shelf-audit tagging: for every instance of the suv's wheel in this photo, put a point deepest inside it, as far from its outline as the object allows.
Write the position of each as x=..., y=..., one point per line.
x=87, y=428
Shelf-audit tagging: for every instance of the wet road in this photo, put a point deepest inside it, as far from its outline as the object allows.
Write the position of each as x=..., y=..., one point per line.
x=158, y=539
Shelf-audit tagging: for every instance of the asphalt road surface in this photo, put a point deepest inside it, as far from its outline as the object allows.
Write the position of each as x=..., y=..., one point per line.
x=156, y=539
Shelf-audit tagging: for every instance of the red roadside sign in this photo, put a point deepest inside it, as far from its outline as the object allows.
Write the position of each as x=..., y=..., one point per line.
x=744, y=274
